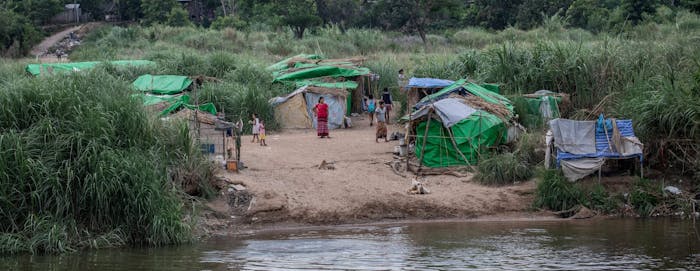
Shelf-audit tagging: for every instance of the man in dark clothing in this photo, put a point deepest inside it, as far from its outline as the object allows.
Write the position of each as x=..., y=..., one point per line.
x=387, y=99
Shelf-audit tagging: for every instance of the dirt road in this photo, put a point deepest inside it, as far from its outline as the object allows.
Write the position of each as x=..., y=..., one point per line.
x=289, y=187
x=44, y=46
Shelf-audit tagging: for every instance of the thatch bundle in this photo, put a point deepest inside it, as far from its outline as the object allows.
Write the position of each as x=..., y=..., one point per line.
x=351, y=62
x=478, y=103
x=188, y=114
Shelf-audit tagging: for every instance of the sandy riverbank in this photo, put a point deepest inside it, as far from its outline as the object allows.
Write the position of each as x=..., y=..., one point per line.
x=289, y=188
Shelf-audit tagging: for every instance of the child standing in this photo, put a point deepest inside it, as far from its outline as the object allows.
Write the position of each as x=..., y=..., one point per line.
x=381, y=123
x=262, y=134
x=256, y=128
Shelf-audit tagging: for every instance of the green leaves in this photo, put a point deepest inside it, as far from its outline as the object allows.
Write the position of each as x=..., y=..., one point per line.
x=84, y=165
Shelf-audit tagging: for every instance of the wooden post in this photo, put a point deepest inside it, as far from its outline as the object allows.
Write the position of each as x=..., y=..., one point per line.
x=407, y=138
x=225, y=148
x=196, y=112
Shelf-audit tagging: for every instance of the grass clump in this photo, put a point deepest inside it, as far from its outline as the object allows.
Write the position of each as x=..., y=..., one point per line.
x=556, y=193
x=510, y=167
x=644, y=197
x=502, y=169
x=80, y=168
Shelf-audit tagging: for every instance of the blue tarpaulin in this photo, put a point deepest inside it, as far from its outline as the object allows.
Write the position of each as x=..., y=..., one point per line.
x=602, y=143
x=415, y=82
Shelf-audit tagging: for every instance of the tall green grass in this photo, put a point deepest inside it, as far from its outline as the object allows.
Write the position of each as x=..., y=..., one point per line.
x=556, y=193
x=502, y=169
x=83, y=165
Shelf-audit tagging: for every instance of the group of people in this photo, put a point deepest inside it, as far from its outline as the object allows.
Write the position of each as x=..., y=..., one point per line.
x=379, y=110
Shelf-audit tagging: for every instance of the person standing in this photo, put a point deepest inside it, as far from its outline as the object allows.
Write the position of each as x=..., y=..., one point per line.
x=371, y=106
x=321, y=112
x=388, y=100
x=256, y=128
x=262, y=134
x=402, y=79
x=381, y=123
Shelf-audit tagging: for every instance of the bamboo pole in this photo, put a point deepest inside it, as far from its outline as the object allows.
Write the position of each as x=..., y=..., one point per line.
x=454, y=144
x=425, y=139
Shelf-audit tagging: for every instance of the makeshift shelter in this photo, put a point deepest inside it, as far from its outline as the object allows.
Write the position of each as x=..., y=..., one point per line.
x=166, y=93
x=59, y=68
x=162, y=84
x=582, y=147
x=458, y=124
x=418, y=88
x=540, y=107
x=296, y=109
x=315, y=71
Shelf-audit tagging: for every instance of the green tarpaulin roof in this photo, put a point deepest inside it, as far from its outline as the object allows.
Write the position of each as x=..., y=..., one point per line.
x=321, y=71
x=175, y=103
x=472, y=88
x=316, y=83
x=282, y=65
x=156, y=99
x=53, y=68
x=162, y=84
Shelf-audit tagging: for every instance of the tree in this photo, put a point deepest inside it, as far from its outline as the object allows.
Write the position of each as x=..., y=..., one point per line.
x=339, y=12
x=38, y=11
x=299, y=16
x=588, y=14
x=494, y=14
x=633, y=10
x=156, y=11
x=413, y=16
x=693, y=5
x=178, y=16
x=17, y=34
x=531, y=13
x=94, y=7
x=129, y=9
x=300, y=22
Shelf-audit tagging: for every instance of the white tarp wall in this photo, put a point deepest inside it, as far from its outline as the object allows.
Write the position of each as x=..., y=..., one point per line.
x=336, y=108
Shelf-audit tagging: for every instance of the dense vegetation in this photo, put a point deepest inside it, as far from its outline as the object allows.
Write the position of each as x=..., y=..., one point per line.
x=421, y=17
x=79, y=168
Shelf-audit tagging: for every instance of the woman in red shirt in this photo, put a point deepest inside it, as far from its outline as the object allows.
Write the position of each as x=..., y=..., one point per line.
x=321, y=112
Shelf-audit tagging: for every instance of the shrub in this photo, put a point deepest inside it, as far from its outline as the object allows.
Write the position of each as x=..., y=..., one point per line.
x=556, y=193
x=644, y=197
x=597, y=198
x=502, y=169
x=222, y=22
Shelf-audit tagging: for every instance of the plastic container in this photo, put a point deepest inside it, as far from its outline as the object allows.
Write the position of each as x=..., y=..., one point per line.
x=232, y=165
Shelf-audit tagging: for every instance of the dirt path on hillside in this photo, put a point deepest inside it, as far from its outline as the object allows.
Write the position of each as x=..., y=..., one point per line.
x=288, y=186
x=40, y=49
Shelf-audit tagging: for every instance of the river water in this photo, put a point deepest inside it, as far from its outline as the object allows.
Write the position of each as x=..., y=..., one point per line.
x=612, y=244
